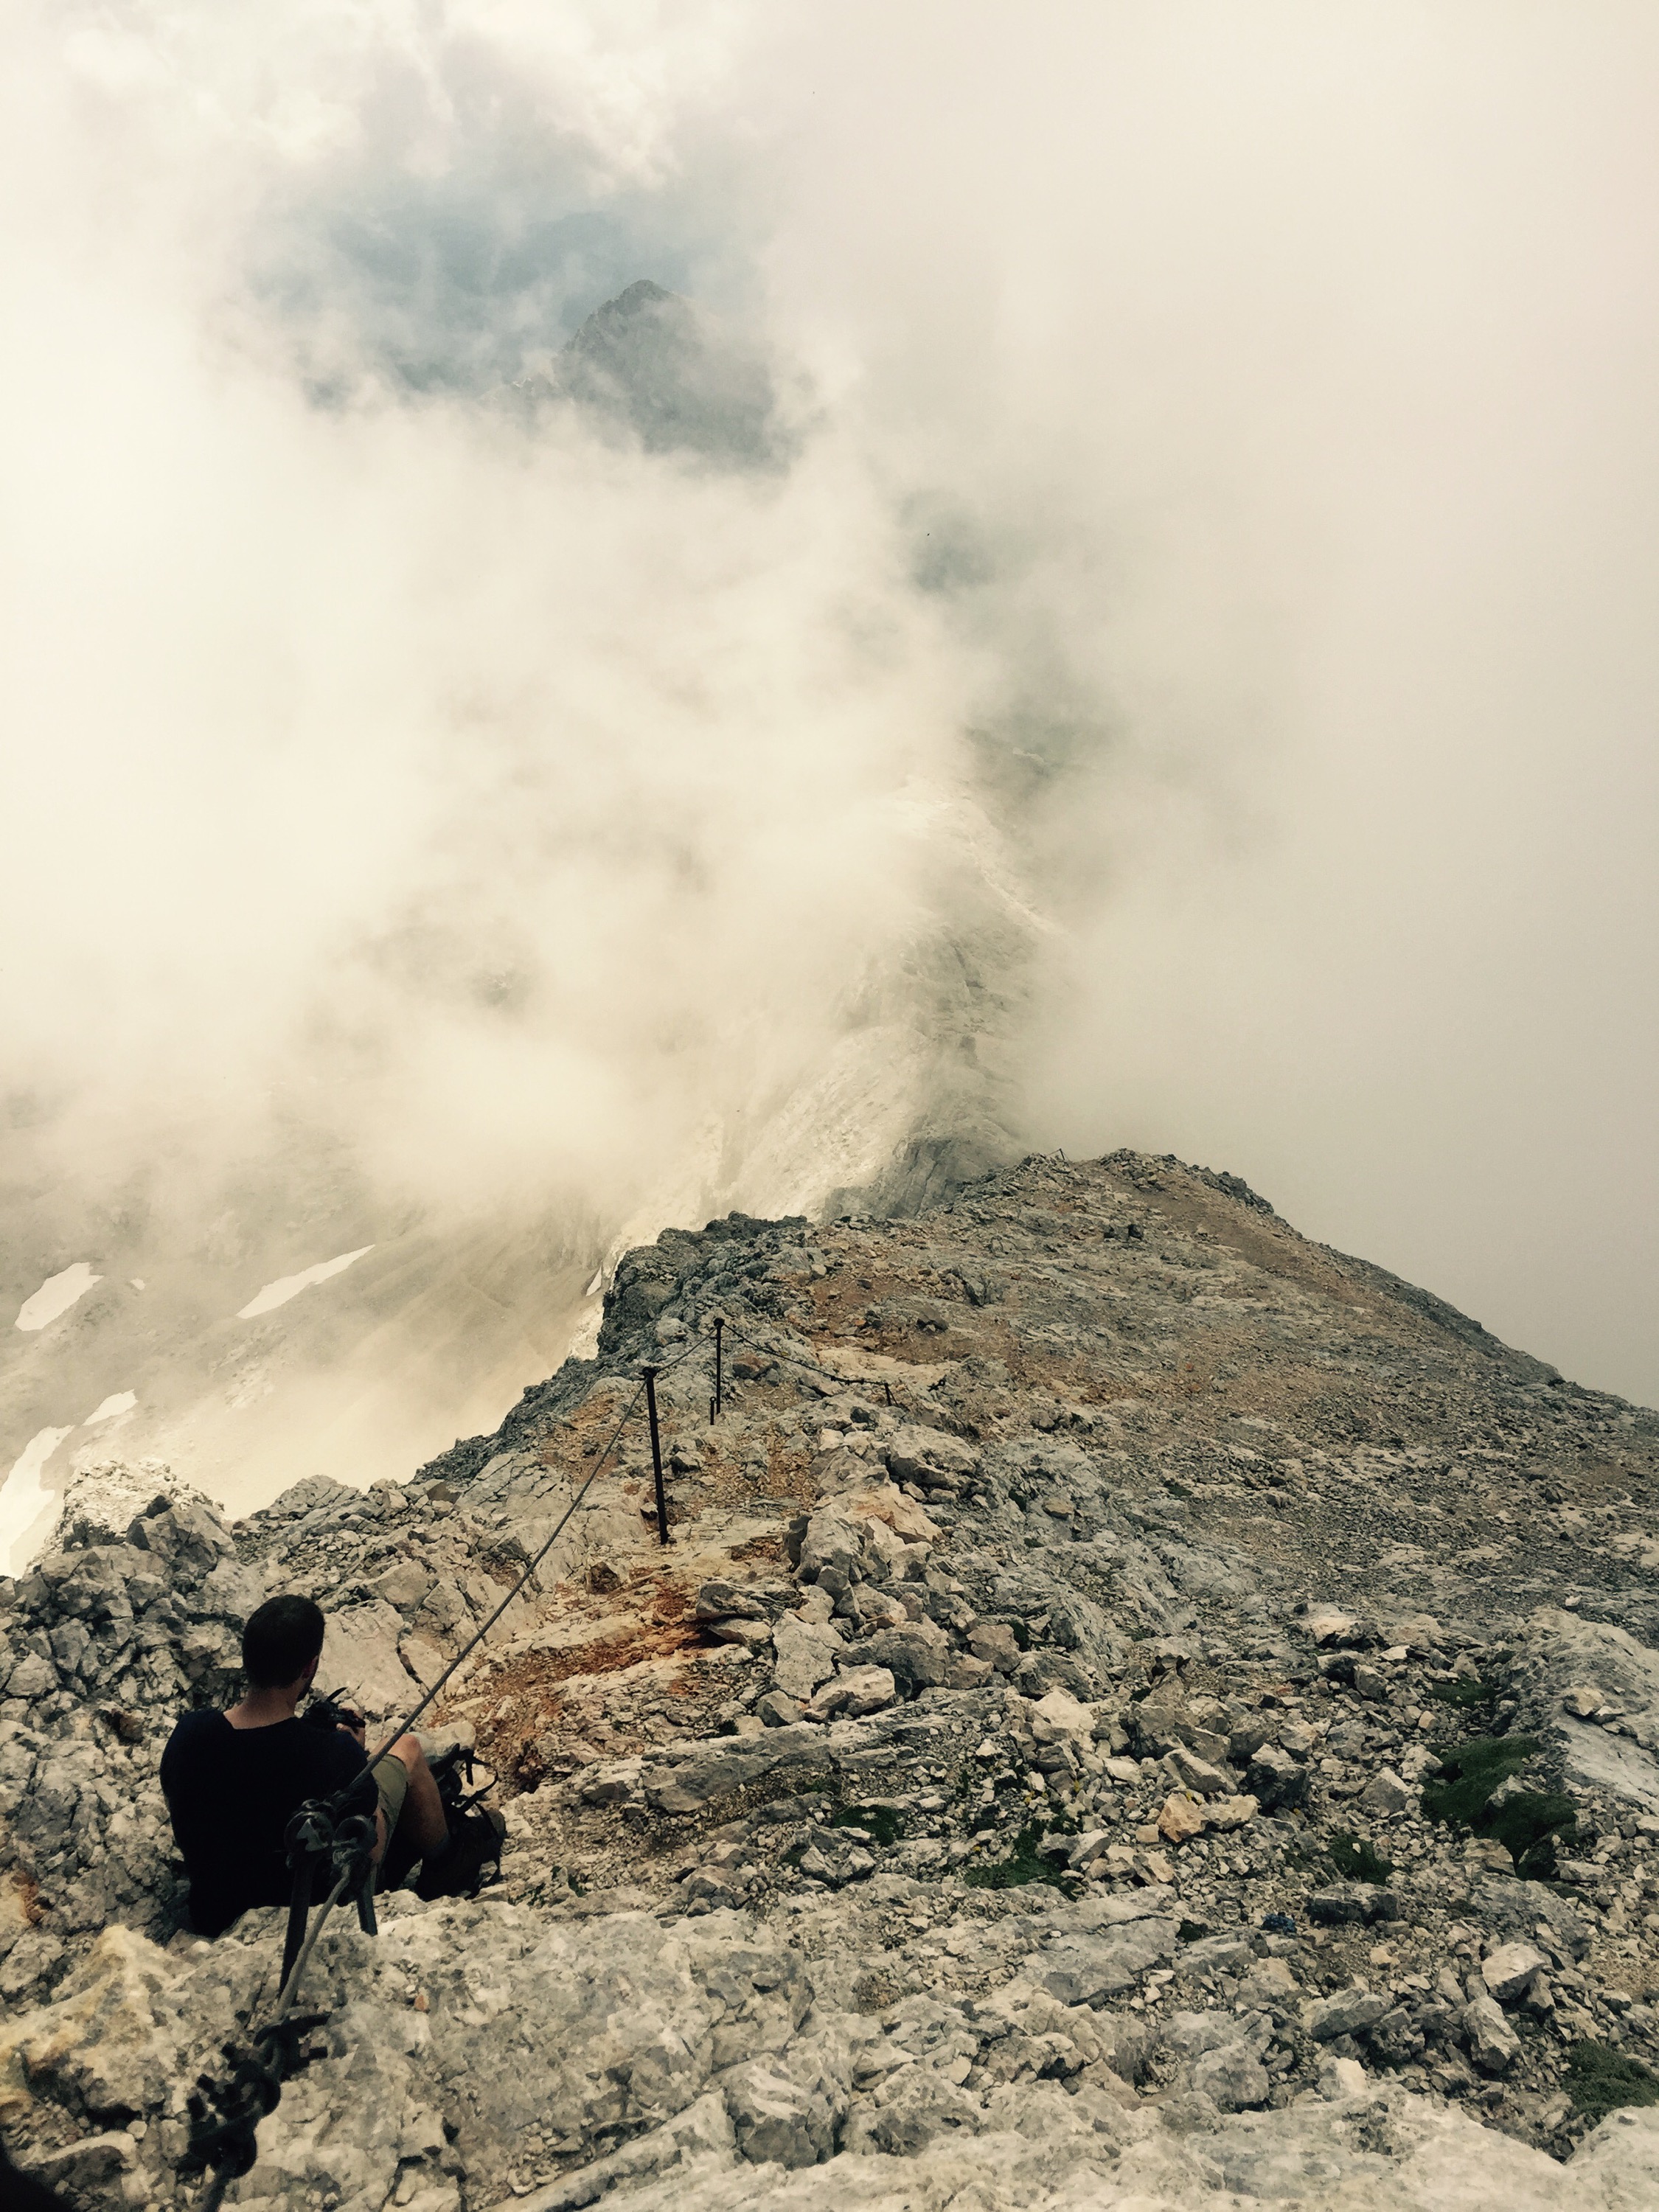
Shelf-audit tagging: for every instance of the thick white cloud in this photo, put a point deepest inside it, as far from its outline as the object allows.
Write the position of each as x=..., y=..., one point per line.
x=1313, y=349
x=1224, y=522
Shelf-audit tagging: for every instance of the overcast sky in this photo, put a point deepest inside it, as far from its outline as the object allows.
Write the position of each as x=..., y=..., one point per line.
x=1228, y=462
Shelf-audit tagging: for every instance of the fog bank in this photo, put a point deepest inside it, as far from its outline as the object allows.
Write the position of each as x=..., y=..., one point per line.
x=1174, y=662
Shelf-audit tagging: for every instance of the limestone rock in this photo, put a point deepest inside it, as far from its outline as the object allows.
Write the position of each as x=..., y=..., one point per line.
x=1088, y=1968
x=1342, y=2077
x=186, y=1535
x=703, y=1955
x=1386, y=1794
x=360, y=1660
x=833, y=1540
x=1494, y=2045
x=616, y=1783
x=89, y=2171
x=752, y=1635
x=232, y=1590
x=1275, y=1779
x=806, y=1653
x=1159, y=1720
x=927, y=1456
x=1355, y=1902
x=32, y=1676
x=424, y=1658
x=1065, y=1716
x=111, y=2046
x=1513, y=1909
x=856, y=1691
x=404, y=1585
x=1347, y=2012
x=1180, y=1818
x=1231, y=2076
x=916, y=1656
x=993, y=1641
x=1190, y=1772
x=911, y=2110
x=724, y=1600
x=1224, y=1814
x=1487, y=1856
x=1510, y=1970
x=891, y=1521
x=700, y=1774
x=785, y=2112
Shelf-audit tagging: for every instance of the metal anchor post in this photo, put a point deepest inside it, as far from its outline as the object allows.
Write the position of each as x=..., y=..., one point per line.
x=656, y=1453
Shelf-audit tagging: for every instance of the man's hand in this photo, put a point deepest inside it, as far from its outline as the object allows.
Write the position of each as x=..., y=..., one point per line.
x=325, y=1712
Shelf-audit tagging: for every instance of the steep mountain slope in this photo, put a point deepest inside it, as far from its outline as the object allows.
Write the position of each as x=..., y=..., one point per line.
x=359, y=1376
x=439, y=1091
x=443, y=1317
x=657, y=366
x=1137, y=1708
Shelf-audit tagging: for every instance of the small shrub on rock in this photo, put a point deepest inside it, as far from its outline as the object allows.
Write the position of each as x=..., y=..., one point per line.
x=1600, y=2079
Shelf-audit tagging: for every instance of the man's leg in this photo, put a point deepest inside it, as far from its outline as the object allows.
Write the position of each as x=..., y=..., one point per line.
x=424, y=1821
x=412, y=1818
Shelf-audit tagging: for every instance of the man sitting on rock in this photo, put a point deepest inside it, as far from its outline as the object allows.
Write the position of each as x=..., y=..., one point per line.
x=234, y=1780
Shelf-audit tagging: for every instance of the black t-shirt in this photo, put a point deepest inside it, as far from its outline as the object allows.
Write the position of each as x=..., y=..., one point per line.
x=231, y=1793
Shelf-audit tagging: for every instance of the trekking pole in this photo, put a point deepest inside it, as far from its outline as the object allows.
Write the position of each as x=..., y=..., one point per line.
x=354, y=1857
x=310, y=1838
x=656, y=1453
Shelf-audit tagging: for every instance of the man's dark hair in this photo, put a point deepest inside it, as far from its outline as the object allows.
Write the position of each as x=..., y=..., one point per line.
x=281, y=1640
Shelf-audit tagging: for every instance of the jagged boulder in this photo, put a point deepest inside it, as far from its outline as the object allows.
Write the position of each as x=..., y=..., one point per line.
x=807, y=1654
x=112, y=2044
x=360, y=1660
x=185, y=1534
x=930, y=1458
x=916, y=1656
x=788, y=2109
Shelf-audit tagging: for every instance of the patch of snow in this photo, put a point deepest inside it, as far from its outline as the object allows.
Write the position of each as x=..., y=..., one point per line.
x=593, y=1288
x=122, y=1401
x=24, y=1498
x=289, y=1286
x=55, y=1295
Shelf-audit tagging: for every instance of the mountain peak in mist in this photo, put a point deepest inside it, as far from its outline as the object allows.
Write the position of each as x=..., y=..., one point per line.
x=654, y=364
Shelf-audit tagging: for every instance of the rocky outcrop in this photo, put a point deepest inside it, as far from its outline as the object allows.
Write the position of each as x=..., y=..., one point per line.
x=1136, y=1708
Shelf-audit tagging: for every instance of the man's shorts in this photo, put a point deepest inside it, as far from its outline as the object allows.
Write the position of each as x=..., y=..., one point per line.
x=392, y=1782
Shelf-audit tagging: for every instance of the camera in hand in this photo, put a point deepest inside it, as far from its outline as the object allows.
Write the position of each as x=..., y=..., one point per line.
x=326, y=1712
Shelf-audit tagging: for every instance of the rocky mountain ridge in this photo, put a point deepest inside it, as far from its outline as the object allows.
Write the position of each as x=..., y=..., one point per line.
x=1137, y=1708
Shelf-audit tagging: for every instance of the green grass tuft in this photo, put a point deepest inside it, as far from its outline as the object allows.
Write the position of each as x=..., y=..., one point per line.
x=1026, y=1864
x=1600, y=2079
x=1528, y=1826
x=1355, y=1861
x=883, y=1822
x=1466, y=1777
x=1463, y=1692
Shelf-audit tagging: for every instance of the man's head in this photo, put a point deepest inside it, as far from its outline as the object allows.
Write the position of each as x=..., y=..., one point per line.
x=281, y=1642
